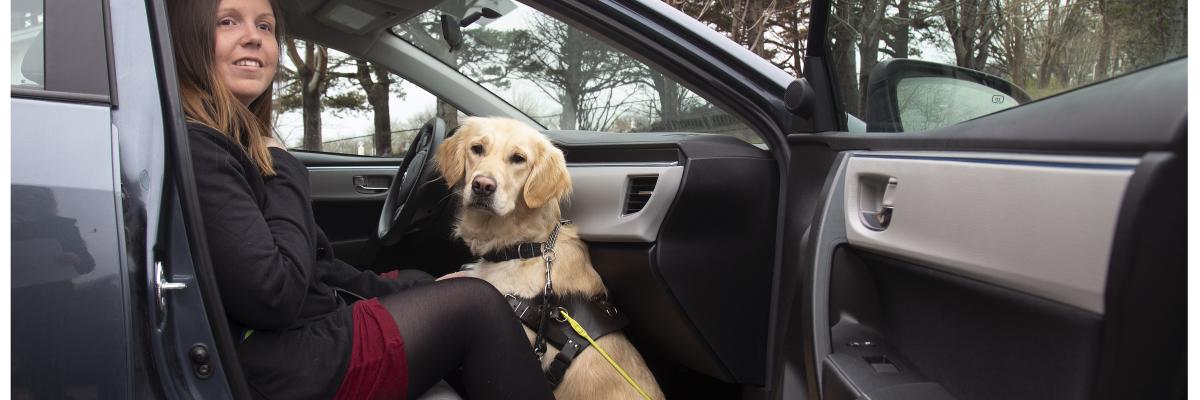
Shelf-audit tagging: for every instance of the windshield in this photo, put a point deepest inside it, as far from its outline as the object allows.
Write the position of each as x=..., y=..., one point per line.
x=559, y=75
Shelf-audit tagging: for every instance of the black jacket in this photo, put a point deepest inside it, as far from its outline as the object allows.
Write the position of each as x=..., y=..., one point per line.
x=276, y=270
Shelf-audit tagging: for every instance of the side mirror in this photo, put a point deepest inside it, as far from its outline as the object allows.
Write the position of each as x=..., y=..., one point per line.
x=912, y=95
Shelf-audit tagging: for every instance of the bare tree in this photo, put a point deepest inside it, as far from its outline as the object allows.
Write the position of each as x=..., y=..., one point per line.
x=971, y=25
x=1015, y=24
x=312, y=79
x=379, y=86
x=578, y=71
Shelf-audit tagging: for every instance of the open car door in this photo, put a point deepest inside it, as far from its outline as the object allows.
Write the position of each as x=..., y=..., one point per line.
x=1035, y=252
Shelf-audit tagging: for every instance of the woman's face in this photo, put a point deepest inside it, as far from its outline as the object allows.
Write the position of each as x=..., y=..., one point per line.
x=247, y=54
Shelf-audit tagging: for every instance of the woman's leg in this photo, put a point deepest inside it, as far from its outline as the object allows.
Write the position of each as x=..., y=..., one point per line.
x=466, y=322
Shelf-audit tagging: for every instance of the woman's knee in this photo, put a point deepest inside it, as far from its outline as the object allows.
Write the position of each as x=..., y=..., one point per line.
x=478, y=295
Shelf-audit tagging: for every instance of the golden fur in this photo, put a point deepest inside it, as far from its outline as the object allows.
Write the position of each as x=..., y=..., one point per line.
x=525, y=208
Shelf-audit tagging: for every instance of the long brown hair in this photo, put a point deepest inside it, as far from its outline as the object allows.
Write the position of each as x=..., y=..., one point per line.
x=206, y=99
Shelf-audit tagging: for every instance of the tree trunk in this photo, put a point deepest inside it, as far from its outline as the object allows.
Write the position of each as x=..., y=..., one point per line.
x=1013, y=39
x=668, y=97
x=758, y=14
x=380, y=99
x=377, y=84
x=1106, y=42
x=868, y=47
x=311, y=106
x=312, y=70
x=570, y=111
x=447, y=112
x=971, y=27
x=901, y=28
x=572, y=79
x=797, y=40
x=842, y=58
x=1176, y=30
x=1048, y=46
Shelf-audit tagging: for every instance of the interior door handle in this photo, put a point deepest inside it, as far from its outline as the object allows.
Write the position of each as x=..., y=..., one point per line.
x=360, y=185
x=880, y=218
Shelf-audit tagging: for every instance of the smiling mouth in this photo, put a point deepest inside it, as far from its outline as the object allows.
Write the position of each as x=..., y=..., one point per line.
x=246, y=62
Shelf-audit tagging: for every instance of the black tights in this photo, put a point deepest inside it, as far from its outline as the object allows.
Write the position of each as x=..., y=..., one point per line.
x=465, y=322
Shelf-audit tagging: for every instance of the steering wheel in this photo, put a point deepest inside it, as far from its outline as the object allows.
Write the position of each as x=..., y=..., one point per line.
x=407, y=192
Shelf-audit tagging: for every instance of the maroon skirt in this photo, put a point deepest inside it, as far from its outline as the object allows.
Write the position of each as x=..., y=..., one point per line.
x=378, y=368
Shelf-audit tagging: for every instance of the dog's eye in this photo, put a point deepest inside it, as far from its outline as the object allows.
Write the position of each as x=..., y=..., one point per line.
x=477, y=148
x=516, y=159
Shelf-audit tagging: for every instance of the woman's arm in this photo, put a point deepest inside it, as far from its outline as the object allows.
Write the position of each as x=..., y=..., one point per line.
x=262, y=249
x=370, y=284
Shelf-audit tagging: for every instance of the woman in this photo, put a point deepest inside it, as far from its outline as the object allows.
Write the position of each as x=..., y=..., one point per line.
x=275, y=268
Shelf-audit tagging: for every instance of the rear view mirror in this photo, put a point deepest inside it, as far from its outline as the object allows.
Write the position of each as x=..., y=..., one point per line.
x=452, y=26
x=451, y=31
x=911, y=95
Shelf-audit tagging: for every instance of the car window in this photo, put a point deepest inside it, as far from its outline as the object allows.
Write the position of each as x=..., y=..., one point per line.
x=560, y=76
x=329, y=101
x=1040, y=48
x=27, y=42
x=67, y=58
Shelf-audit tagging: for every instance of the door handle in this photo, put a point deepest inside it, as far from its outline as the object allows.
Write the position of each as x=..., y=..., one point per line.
x=360, y=185
x=880, y=218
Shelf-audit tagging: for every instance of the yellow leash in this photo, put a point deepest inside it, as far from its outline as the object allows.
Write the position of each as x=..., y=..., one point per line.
x=579, y=330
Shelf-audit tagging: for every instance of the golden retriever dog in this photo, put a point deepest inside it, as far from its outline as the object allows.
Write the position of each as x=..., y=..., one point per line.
x=511, y=180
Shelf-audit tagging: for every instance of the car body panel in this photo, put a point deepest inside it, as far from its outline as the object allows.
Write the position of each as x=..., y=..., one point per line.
x=67, y=271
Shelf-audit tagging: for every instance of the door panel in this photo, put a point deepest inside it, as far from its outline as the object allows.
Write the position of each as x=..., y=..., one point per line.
x=347, y=214
x=983, y=216
x=968, y=293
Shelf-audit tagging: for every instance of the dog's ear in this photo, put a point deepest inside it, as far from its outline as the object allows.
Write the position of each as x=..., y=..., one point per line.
x=549, y=179
x=451, y=157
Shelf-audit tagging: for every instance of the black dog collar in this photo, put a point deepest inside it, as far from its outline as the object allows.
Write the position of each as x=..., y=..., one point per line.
x=528, y=249
x=521, y=250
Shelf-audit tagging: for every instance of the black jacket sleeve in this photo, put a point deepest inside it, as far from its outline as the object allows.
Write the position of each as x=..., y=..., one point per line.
x=262, y=246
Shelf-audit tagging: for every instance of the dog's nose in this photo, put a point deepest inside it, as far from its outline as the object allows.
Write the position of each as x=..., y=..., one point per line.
x=483, y=186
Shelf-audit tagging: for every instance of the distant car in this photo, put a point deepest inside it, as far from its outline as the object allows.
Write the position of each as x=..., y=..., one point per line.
x=763, y=244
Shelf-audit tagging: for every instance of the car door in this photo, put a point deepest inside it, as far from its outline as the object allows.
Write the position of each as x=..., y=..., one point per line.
x=1029, y=253
x=70, y=317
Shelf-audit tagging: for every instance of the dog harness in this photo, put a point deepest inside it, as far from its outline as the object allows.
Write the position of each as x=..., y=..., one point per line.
x=596, y=315
x=544, y=313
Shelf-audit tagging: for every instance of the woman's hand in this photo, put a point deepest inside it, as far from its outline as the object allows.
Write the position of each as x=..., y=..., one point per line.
x=274, y=142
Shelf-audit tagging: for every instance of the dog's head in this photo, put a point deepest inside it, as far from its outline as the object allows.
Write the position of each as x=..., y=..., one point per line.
x=503, y=164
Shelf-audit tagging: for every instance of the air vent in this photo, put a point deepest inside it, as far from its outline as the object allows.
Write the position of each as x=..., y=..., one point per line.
x=640, y=189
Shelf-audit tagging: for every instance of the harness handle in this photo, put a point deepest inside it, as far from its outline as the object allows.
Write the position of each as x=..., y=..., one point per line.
x=582, y=332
